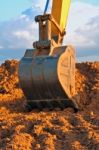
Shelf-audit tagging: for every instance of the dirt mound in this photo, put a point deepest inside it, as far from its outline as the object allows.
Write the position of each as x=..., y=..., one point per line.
x=87, y=84
x=8, y=76
x=55, y=130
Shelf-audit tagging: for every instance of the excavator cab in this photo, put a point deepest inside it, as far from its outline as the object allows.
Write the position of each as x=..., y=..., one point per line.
x=47, y=72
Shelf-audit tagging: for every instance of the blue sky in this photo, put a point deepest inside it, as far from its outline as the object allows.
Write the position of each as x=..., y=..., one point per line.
x=18, y=30
x=12, y=8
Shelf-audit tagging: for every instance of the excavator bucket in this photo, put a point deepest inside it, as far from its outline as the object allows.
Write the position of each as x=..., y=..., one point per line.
x=46, y=79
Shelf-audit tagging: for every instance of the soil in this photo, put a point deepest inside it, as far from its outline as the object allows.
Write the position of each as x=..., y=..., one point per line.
x=49, y=130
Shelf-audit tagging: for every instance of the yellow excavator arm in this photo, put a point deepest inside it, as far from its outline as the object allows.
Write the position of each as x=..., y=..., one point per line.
x=60, y=10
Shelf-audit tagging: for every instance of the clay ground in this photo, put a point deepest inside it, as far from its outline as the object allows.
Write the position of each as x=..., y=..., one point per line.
x=49, y=130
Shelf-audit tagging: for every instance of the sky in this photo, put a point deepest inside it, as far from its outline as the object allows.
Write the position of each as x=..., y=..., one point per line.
x=18, y=30
x=12, y=8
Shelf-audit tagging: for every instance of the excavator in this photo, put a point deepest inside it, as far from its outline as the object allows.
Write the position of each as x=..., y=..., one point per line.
x=47, y=72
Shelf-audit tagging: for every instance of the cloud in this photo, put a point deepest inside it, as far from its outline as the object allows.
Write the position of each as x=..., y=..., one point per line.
x=87, y=35
x=22, y=31
x=83, y=30
x=90, y=34
x=40, y=4
x=1, y=47
x=21, y=34
x=18, y=33
x=80, y=14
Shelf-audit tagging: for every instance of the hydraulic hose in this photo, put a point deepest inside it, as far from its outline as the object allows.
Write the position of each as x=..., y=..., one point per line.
x=46, y=6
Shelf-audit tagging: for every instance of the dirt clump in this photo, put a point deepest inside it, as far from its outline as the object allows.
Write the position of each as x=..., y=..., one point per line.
x=49, y=130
